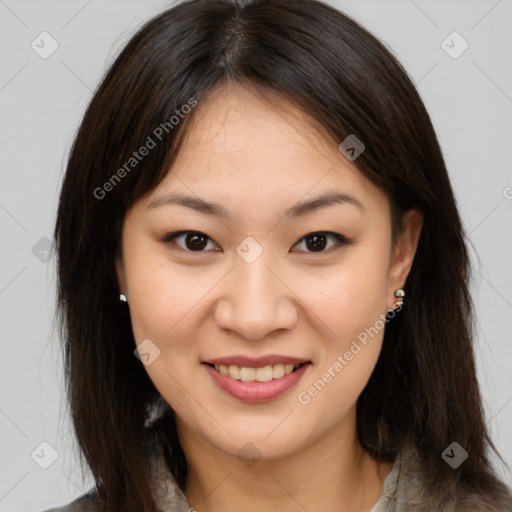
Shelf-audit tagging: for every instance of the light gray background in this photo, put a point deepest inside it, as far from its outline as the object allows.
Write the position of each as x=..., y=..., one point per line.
x=42, y=100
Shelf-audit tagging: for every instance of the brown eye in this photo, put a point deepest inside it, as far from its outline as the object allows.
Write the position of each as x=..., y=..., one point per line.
x=317, y=242
x=191, y=241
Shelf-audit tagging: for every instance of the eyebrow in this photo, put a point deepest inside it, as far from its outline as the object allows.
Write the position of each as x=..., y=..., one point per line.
x=329, y=198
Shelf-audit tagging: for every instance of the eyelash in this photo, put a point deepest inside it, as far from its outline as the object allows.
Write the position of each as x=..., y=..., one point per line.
x=340, y=239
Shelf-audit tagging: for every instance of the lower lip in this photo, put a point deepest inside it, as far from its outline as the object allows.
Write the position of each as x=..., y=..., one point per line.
x=254, y=391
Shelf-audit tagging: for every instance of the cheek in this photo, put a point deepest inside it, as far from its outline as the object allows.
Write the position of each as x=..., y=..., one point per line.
x=348, y=352
x=351, y=307
x=163, y=294
x=350, y=296
x=164, y=308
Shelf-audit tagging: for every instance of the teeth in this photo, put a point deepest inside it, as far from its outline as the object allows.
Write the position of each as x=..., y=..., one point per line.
x=278, y=371
x=264, y=374
x=234, y=372
x=247, y=374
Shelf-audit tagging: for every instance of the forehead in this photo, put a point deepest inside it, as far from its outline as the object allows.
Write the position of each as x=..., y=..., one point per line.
x=243, y=149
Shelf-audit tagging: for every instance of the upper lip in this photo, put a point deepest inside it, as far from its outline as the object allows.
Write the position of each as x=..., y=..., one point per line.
x=256, y=362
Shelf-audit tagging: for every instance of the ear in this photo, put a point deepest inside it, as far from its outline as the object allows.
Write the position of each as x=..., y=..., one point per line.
x=404, y=251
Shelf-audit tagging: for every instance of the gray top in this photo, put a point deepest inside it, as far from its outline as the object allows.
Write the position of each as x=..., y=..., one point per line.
x=402, y=492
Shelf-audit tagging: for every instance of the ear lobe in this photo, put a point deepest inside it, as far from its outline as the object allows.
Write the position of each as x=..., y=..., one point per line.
x=406, y=245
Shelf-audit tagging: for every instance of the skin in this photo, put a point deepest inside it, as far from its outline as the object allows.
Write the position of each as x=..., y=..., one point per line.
x=243, y=154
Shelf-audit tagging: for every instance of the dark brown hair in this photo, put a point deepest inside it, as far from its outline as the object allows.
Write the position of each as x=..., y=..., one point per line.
x=423, y=390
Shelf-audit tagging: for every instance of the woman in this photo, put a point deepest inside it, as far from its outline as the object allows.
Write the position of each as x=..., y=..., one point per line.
x=263, y=277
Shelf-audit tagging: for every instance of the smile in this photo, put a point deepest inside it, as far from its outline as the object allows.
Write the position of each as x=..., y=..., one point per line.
x=264, y=374
x=256, y=384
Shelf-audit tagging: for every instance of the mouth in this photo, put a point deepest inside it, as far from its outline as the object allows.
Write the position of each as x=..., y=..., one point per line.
x=260, y=384
x=261, y=374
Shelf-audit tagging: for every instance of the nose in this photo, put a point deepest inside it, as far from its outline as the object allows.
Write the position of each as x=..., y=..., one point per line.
x=255, y=300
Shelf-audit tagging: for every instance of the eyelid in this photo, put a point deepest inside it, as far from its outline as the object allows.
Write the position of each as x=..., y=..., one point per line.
x=340, y=239
x=170, y=237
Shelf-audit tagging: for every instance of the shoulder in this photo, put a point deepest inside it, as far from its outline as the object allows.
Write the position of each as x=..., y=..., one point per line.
x=406, y=489
x=86, y=503
x=497, y=499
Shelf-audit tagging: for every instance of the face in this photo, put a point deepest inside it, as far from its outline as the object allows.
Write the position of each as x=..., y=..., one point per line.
x=253, y=280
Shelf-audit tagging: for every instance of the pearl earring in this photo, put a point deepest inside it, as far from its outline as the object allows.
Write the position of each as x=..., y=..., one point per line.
x=400, y=294
x=122, y=298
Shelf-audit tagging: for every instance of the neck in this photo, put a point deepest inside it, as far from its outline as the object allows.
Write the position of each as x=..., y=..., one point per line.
x=333, y=474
